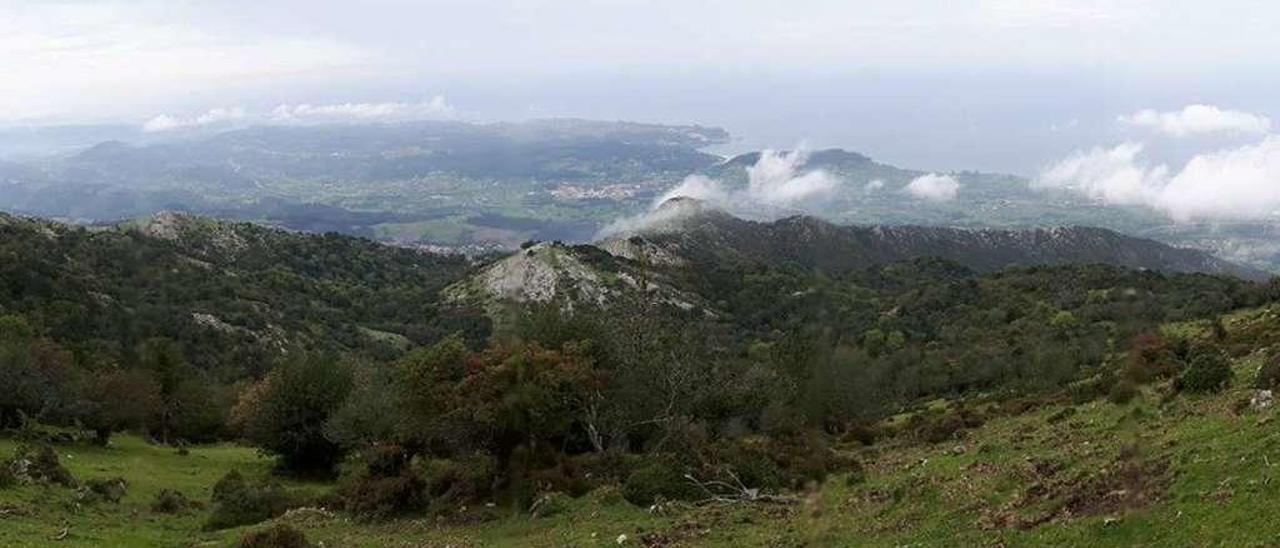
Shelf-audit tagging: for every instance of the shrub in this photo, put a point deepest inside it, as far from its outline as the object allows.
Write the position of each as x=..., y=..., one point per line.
x=169, y=501
x=775, y=463
x=1268, y=377
x=1150, y=358
x=469, y=479
x=1209, y=372
x=656, y=479
x=384, y=486
x=277, y=536
x=104, y=489
x=39, y=464
x=238, y=502
x=549, y=504
x=1123, y=392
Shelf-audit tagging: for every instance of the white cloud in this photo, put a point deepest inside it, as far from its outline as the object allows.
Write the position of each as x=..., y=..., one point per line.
x=773, y=180
x=696, y=186
x=432, y=108
x=774, y=184
x=1108, y=175
x=1198, y=120
x=934, y=187
x=165, y=122
x=1234, y=184
x=874, y=185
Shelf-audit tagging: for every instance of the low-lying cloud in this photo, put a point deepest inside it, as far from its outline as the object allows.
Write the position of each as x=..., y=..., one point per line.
x=775, y=184
x=433, y=108
x=1199, y=120
x=1231, y=184
x=775, y=179
x=934, y=187
x=165, y=122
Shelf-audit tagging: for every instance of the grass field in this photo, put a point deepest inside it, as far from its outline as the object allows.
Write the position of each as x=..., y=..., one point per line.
x=1190, y=471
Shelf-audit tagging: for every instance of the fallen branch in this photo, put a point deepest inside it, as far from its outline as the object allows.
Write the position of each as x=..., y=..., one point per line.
x=721, y=492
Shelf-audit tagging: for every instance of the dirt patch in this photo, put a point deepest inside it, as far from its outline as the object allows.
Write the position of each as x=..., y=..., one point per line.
x=1128, y=483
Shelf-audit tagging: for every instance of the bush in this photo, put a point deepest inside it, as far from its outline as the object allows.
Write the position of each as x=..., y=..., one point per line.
x=774, y=464
x=277, y=536
x=469, y=479
x=169, y=501
x=384, y=486
x=657, y=479
x=39, y=464
x=1268, y=377
x=1209, y=372
x=549, y=504
x=104, y=489
x=1123, y=392
x=1151, y=357
x=237, y=502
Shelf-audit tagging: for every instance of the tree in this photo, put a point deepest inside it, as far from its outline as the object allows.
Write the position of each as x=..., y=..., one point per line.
x=290, y=409
x=35, y=374
x=116, y=399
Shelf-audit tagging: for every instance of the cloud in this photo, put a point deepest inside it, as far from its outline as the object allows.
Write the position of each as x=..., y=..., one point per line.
x=773, y=180
x=216, y=116
x=1199, y=120
x=1232, y=184
x=696, y=186
x=874, y=185
x=775, y=183
x=434, y=108
x=1109, y=175
x=934, y=187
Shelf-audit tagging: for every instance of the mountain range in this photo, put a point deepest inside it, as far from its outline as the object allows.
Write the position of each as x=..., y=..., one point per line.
x=493, y=186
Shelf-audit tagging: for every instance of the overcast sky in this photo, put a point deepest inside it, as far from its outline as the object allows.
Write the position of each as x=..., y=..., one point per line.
x=987, y=84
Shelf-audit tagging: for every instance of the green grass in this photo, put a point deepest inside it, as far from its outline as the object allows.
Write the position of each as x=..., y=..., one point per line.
x=985, y=487
x=35, y=515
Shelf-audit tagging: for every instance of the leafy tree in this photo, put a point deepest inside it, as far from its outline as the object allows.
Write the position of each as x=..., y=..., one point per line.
x=290, y=409
x=35, y=374
x=116, y=399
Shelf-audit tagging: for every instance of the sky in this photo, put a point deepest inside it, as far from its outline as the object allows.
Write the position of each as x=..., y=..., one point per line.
x=998, y=85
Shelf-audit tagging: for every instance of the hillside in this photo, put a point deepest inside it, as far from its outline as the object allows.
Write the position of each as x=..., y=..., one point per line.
x=744, y=385
x=1156, y=470
x=697, y=232
x=235, y=295
x=685, y=242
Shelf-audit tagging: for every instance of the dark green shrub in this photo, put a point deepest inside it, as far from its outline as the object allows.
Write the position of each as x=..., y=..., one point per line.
x=469, y=479
x=1151, y=357
x=655, y=479
x=941, y=428
x=169, y=501
x=238, y=502
x=383, y=487
x=1209, y=372
x=1123, y=392
x=7, y=479
x=104, y=489
x=277, y=536
x=549, y=504
x=38, y=463
x=1268, y=377
x=1061, y=415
